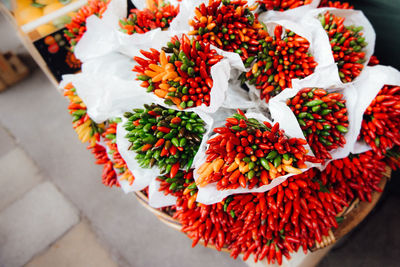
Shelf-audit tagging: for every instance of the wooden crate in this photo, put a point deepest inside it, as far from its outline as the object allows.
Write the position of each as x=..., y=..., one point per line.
x=12, y=70
x=29, y=35
x=3, y=85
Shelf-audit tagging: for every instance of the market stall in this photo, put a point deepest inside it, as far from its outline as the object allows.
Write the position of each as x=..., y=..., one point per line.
x=258, y=128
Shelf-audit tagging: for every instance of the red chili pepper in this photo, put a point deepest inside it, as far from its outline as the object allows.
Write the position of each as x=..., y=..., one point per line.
x=163, y=129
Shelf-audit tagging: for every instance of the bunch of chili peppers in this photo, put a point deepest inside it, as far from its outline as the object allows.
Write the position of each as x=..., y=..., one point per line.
x=281, y=59
x=164, y=137
x=381, y=121
x=180, y=73
x=86, y=128
x=322, y=117
x=157, y=15
x=77, y=27
x=228, y=25
x=268, y=225
x=347, y=44
x=335, y=4
x=248, y=153
x=355, y=176
x=281, y=5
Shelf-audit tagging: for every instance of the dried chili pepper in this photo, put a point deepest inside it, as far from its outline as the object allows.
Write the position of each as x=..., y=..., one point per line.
x=283, y=57
x=248, y=153
x=322, y=117
x=161, y=140
x=381, y=121
x=180, y=73
x=347, y=43
x=158, y=15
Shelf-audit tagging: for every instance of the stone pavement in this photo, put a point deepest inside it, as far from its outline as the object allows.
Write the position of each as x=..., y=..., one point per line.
x=49, y=182
x=54, y=211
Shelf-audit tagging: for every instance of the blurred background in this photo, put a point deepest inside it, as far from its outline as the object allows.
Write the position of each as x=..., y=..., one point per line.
x=54, y=211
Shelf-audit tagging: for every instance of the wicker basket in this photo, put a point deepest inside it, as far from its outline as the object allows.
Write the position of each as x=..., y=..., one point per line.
x=353, y=215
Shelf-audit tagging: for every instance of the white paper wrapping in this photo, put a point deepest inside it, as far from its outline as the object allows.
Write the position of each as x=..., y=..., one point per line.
x=130, y=45
x=158, y=199
x=105, y=36
x=209, y=193
x=186, y=12
x=370, y=82
x=100, y=36
x=352, y=17
x=236, y=96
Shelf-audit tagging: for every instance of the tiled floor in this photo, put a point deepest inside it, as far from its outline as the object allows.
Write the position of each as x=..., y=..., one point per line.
x=54, y=211
x=79, y=247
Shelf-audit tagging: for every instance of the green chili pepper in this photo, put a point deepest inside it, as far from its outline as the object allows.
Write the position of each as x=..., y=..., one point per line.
x=341, y=128
x=314, y=103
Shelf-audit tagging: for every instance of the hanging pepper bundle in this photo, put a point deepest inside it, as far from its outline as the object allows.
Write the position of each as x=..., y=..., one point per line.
x=283, y=58
x=347, y=44
x=355, y=176
x=164, y=137
x=108, y=176
x=86, y=128
x=207, y=222
x=119, y=163
x=248, y=153
x=381, y=121
x=89, y=131
x=268, y=225
x=274, y=224
x=157, y=15
x=335, y=4
x=77, y=27
x=228, y=25
x=180, y=73
x=281, y=5
x=322, y=117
